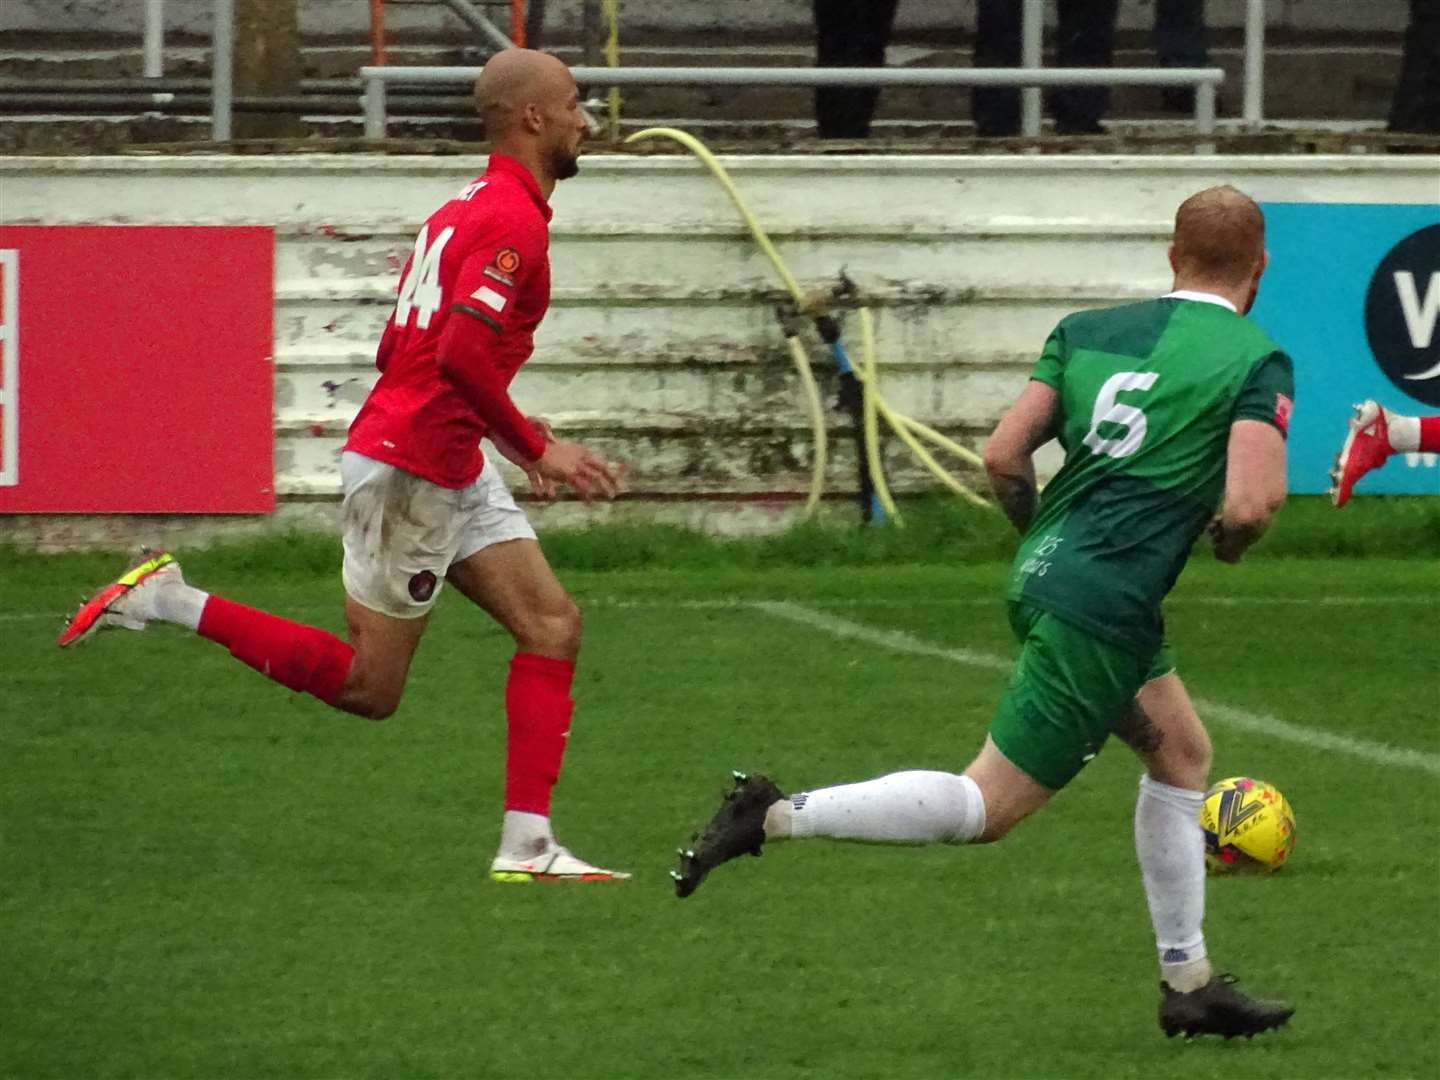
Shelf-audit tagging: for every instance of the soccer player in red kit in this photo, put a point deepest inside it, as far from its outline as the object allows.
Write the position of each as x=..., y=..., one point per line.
x=422, y=504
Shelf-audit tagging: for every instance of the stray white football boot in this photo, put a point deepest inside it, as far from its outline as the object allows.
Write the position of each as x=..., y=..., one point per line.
x=551, y=863
x=128, y=601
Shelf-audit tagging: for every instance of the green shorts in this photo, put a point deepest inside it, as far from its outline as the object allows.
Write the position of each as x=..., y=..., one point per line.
x=1068, y=692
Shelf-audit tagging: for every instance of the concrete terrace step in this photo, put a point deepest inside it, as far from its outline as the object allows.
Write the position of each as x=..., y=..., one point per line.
x=908, y=321
x=965, y=396
x=620, y=256
x=935, y=192
x=665, y=460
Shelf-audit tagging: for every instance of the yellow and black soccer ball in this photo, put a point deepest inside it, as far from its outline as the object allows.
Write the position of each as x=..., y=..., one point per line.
x=1248, y=825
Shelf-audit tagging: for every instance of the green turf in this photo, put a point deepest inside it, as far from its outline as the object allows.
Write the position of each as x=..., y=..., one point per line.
x=202, y=875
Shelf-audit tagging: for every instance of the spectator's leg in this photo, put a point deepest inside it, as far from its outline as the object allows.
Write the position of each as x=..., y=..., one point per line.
x=996, y=110
x=1180, y=33
x=849, y=33
x=1416, y=105
x=1179, y=38
x=1087, y=39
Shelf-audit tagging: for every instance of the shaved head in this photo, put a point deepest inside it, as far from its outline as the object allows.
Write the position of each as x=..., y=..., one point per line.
x=513, y=79
x=531, y=110
x=1219, y=236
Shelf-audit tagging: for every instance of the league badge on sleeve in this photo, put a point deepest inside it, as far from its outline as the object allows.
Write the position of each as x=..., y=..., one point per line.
x=1284, y=406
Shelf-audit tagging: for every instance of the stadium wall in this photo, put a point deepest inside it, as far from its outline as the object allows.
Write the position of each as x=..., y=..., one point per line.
x=662, y=348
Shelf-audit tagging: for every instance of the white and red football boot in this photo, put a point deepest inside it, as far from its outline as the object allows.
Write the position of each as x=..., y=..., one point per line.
x=552, y=863
x=1367, y=447
x=127, y=602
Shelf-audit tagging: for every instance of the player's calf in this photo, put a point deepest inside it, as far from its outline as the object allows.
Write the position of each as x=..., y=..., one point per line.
x=302, y=658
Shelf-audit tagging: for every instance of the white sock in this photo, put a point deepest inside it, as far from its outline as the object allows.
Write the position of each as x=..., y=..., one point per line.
x=916, y=807
x=179, y=603
x=524, y=835
x=1404, y=432
x=1171, y=849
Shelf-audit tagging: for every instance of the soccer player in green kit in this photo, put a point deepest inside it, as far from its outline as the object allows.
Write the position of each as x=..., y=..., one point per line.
x=1173, y=414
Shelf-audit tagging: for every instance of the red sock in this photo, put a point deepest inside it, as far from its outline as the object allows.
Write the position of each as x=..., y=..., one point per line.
x=1430, y=434
x=293, y=654
x=538, y=708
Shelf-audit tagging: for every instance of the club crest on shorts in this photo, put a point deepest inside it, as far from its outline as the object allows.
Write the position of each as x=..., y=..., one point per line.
x=422, y=586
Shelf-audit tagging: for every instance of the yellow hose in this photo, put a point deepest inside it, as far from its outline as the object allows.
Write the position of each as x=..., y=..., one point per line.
x=871, y=421
x=611, y=9
x=905, y=427
x=816, y=412
x=813, y=405
x=964, y=453
x=701, y=151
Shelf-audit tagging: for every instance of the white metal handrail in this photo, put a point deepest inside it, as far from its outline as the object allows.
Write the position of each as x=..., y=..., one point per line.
x=1254, y=107
x=1032, y=26
x=1204, y=80
x=222, y=44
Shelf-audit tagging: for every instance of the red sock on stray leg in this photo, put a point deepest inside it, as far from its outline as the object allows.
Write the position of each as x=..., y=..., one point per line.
x=1430, y=435
x=538, y=707
x=304, y=658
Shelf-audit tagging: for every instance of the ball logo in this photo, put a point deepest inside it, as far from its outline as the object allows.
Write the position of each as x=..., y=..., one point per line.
x=422, y=586
x=1402, y=309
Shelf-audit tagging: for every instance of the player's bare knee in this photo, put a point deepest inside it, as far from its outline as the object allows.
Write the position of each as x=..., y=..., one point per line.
x=370, y=705
x=999, y=822
x=363, y=698
x=383, y=707
x=553, y=631
x=1183, y=761
x=994, y=832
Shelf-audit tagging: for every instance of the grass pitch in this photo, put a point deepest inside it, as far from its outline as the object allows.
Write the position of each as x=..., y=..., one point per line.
x=202, y=875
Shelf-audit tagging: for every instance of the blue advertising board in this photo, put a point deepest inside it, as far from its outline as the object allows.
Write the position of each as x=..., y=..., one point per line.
x=1353, y=295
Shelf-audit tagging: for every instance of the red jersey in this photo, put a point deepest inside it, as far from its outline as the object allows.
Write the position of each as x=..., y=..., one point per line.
x=470, y=297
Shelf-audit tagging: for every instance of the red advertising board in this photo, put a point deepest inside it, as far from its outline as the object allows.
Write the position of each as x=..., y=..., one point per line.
x=136, y=373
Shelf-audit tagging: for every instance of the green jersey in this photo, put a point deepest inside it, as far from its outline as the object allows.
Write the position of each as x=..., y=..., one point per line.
x=1148, y=392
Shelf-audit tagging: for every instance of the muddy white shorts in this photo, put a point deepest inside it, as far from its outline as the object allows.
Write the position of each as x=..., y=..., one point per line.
x=402, y=533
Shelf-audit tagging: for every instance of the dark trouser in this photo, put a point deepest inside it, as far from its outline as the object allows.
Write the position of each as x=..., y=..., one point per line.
x=1087, y=39
x=849, y=33
x=1416, y=106
x=1180, y=33
x=1179, y=37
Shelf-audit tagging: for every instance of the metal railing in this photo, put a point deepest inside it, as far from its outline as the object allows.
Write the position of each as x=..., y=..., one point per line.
x=1204, y=80
x=1032, y=28
x=1030, y=77
x=222, y=49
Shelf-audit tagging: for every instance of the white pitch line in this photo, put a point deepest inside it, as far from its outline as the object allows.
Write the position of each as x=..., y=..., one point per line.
x=995, y=602
x=1259, y=723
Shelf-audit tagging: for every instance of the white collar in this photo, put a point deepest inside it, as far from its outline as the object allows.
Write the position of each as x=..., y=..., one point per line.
x=1200, y=297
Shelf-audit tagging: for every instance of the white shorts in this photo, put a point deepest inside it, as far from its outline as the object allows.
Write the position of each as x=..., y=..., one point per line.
x=403, y=533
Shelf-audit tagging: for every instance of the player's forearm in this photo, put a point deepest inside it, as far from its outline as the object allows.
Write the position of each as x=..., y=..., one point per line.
x=1013, y=482
x=1232, y=540
x=477, y=381
x=1240, y=525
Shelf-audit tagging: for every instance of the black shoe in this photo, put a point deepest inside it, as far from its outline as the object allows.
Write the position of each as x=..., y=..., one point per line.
x=1217, y=1008
x=738, y=828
